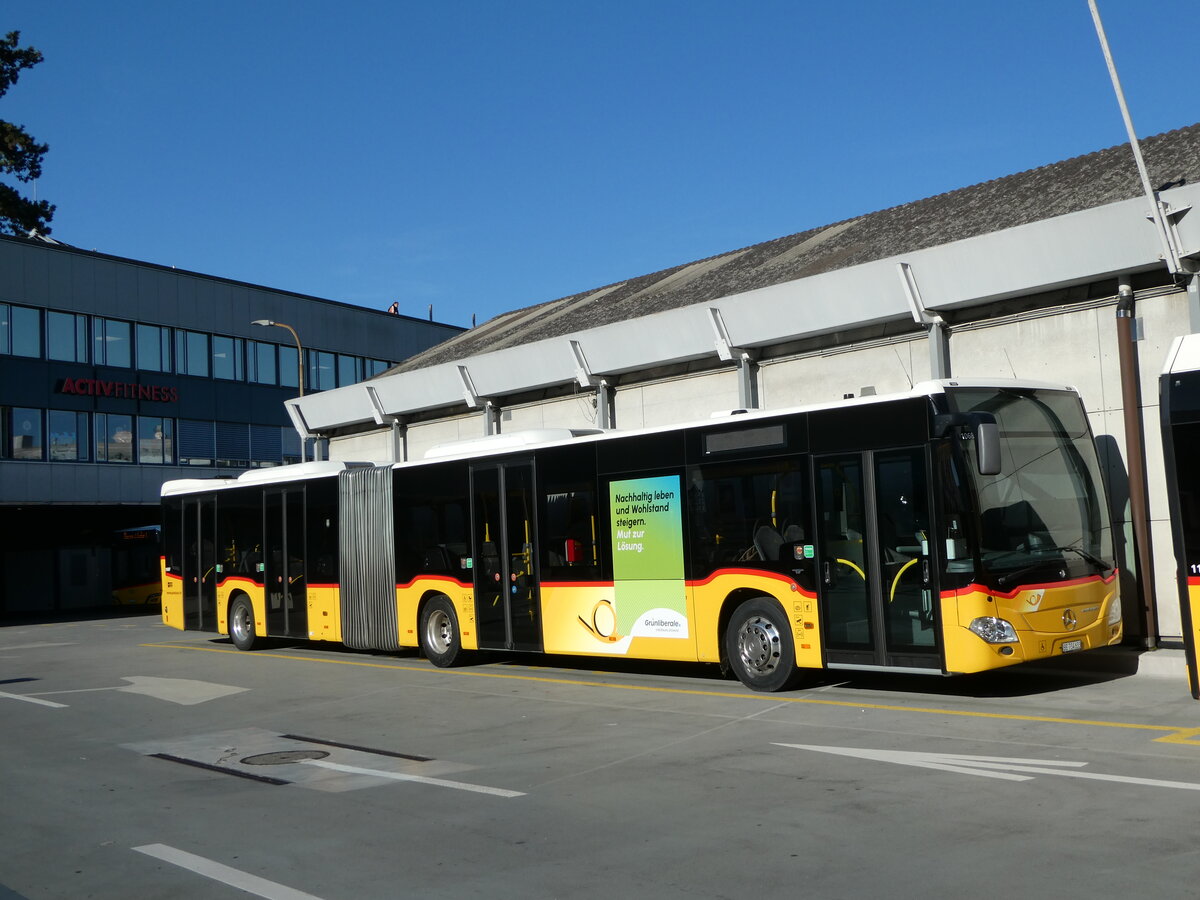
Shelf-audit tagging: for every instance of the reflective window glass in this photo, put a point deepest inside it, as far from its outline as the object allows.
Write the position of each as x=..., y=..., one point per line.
x=348, y=369
x=68, y=433
x=114, y=438
x=261, y=361
x=154, y=348
x=25, y=431
x=191, y=353
x=321, y=370
x=66, y=337
x=113, y=345
x=227, y=357
x=289, y=367
x=156, y=440
x=24, y=332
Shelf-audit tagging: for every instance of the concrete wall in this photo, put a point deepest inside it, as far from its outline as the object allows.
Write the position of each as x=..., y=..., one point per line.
x=578, y=411
x=829, y=377
x=671, y=402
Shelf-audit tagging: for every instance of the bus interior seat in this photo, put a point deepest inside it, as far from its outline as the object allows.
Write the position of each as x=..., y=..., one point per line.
x=768, y=542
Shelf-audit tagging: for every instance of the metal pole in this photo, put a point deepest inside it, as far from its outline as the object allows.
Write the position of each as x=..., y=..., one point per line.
x=1157, y=213
x=1135, y=463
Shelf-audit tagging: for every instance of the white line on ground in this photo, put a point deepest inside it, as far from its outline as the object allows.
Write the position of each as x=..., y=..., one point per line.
x=422, y=779
x=27, y=699
x=251, y=884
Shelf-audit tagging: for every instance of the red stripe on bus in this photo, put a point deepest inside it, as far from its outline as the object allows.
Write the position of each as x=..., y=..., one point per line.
x=1033, y=586
x=423, y=578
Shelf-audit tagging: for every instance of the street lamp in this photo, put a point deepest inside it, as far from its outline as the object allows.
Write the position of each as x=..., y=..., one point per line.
x=299, y=349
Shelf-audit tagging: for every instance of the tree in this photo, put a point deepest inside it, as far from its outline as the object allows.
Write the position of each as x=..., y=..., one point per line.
x=20, y=155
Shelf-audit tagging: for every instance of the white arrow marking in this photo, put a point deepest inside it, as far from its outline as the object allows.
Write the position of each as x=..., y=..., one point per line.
x=420, y=779
x=29, y=699
x=991, y=766
x=235, y=878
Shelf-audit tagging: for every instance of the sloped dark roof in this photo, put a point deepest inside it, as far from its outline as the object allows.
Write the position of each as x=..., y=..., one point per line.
x=1083, y=182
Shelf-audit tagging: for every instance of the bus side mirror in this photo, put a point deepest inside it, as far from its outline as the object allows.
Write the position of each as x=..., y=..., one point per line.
x=987, y=447
x=985, y=431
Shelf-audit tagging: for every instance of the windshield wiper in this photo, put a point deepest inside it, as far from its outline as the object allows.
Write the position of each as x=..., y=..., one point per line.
x=1090, y=557
x=1017, y=573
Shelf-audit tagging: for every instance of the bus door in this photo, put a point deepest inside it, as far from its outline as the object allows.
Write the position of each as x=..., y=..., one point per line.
x=284, y=561
x=200, y=564
x=503, y=536
x=876, y=576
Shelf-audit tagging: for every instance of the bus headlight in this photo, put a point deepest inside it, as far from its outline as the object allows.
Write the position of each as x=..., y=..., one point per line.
x=1114, y=611
x=993, y=630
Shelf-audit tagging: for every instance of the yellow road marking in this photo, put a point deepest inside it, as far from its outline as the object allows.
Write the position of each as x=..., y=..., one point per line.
x=1174, y=734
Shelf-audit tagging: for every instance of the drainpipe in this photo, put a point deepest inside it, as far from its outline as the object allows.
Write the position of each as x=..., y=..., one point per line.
x=1135, y=461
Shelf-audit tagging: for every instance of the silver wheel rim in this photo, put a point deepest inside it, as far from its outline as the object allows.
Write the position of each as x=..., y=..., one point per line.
x=439, y=631
x=241, y=623
x=759, y=644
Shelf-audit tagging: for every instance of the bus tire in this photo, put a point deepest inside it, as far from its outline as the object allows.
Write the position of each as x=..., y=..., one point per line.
x=440, y=639
x=241, y=623
x=759, y=646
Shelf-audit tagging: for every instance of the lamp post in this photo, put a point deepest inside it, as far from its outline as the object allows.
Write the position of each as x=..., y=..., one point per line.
x=299, y=371
x=299, y=349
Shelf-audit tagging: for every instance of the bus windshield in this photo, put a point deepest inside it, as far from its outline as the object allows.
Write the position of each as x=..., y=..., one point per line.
x=1046, y=507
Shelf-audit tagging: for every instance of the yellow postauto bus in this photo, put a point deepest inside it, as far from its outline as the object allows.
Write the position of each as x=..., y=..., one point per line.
x=957, y=527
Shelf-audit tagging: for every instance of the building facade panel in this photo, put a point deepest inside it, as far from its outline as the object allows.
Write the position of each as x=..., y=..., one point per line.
x=116, y=375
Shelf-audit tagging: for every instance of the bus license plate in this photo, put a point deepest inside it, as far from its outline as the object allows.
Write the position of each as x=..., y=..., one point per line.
x=1068, y=646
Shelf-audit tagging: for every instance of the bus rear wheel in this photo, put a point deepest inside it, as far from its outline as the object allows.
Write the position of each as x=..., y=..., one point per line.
x=759, y=646
x=241, y=624
x=439, y=635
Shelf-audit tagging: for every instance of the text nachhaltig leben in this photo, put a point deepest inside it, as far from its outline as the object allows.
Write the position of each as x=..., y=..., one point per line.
x=628, y=517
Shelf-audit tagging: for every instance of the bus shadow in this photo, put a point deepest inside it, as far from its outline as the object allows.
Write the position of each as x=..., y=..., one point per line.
x=1019, y=681
x=1014, y=682
x=983, y=685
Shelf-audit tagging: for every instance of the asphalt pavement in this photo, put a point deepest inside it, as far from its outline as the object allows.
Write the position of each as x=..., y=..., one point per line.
x=140, y=761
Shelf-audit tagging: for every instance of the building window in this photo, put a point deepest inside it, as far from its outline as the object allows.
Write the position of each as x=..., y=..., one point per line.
x=114, y=438
x=349, y=369
x=321, y=372
x=68, y=433
x=266, y=445
x=289, y=367
x=373, y=367
x=260, y=359
x=197, y=446
x=227, y=358
x=291, y=445
x=66, y=337
x=24, y=427
x=154, y=348
x=20, y=331
x=233, y=444
x=113, y=345
x=191, y=353
x=156, y=440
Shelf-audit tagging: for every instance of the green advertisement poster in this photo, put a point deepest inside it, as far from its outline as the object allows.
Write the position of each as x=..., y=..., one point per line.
x=647, y=542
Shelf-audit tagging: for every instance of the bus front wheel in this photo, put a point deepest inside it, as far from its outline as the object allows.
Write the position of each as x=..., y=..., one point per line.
x=759, y=646
x=440, y=639
x=241, y=624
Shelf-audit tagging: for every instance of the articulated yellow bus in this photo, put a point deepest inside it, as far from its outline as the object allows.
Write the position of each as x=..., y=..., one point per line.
x=958, y=527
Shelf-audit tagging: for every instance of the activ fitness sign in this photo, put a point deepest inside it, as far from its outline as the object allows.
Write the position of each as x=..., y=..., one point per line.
x=129, y=390
x=647, y=541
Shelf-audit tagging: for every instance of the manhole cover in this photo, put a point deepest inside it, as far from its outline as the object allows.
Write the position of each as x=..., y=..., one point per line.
x=283, y=757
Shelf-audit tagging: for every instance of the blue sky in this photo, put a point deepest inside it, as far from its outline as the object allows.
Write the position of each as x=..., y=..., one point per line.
x=484, y=156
